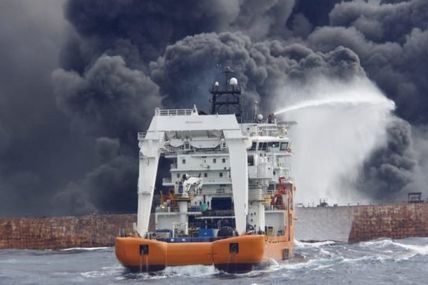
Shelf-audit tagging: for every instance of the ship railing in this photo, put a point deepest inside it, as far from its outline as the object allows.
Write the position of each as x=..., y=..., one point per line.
x=173, y=112
x=217, y=180
x=268, y=128
x=193, y=150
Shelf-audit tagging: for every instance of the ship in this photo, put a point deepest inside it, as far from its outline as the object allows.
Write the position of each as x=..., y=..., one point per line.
x=227, y=201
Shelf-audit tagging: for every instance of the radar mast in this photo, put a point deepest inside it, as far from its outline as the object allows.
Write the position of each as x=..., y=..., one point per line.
x=226, y=95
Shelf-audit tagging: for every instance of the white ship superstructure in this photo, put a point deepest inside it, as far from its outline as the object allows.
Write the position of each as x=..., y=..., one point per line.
x=221, y=172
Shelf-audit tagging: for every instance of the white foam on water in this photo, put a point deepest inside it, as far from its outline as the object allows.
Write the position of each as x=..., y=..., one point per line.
x=84, y=248
x=395, y=250
x=171, y=272
x=379, y=258
x=313, y=244
x=190, y=270
x=418, y=249
x=376, y=243
x=105, y=271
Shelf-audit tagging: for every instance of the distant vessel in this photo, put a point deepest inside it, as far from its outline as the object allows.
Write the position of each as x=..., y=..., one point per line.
x=229, y=198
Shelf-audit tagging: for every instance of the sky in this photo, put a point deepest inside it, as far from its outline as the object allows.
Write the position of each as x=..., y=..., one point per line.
x=78, y=79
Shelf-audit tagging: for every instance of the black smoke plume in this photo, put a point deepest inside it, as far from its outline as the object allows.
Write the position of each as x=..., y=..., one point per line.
x=75, y=93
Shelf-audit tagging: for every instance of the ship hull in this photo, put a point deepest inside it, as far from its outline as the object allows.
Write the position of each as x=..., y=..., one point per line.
x=235, y=254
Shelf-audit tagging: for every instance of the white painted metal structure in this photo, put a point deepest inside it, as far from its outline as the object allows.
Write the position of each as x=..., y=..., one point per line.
x=228, y=159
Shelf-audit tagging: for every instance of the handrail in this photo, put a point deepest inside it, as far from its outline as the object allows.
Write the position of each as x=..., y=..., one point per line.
x=173, y=112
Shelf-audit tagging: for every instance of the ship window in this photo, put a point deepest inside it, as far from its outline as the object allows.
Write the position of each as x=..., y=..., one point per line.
x=284, y=145
x=253, y=146
x=273, y=144
x=220, y=191
x=178, y=175
x=205, y=174
x=214, y=160
x=250, y=159
x=262, y=146
x=220, y=174
x=183, y=161
x=224, y=160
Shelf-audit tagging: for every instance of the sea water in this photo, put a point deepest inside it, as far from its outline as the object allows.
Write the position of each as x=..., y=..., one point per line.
x=375, y=262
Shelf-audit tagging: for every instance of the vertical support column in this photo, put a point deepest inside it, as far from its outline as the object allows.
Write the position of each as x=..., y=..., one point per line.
x=237, y=145
x=257, y=208
x=149, y=160
x=182, y=206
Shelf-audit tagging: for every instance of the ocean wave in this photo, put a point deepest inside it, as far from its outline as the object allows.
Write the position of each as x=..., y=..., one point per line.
x=418, y=249
x=193, y=271
x=376, y=243
x=403, y=244
x=313, y=244
x=105, y=271
x=85, y=248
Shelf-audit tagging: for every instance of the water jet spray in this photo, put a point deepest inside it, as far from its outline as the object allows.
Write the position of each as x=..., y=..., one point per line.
x=340, y=124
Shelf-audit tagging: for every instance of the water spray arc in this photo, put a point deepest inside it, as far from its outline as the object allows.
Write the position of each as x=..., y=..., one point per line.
x=340, y=124
x=350, y=101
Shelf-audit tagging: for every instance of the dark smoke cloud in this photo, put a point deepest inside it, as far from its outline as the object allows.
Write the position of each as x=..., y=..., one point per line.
x=390, y=169
x=110, y=102
x=334, y=38
x=37, y=151
x=140, y=30
x=316, y=13
x=382, y=23
x=390, y=41
x=187, y=67
x=68, y=137
x=111, y=186
x=109, y=99
x=184, y=53
x=107, y=149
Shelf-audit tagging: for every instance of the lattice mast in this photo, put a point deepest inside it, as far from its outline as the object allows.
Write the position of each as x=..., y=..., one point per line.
x=226, y=95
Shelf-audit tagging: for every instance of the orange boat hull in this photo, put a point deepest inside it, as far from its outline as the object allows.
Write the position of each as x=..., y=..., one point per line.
x=234, y=254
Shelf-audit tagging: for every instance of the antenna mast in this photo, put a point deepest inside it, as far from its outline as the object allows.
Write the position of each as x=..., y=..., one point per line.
x=226, y=96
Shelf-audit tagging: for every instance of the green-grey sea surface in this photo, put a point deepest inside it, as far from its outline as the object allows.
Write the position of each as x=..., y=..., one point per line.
x=376, y=262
